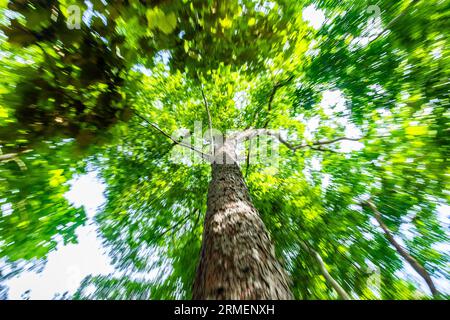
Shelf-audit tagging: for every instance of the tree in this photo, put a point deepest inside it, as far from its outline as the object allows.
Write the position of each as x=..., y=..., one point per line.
x=413, y=262
x=128, y=93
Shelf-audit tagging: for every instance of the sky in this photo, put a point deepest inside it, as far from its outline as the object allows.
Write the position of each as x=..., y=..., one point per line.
x=69, y=264
x=313, y=16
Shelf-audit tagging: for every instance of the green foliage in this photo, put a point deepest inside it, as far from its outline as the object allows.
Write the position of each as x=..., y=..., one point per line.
x=73, y=99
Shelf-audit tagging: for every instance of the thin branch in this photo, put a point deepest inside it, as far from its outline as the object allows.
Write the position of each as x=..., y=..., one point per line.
x=322, y=149
x=248, y=158
x=154, y=126
x=250, y=133
x=176, y=227
x=410, y=259
x=15, y=157
x=193, y=235
x=336, y=286
x=8, y=156
x=209, y=122
x=269, y=103
x=272, y=96
x=321, y=143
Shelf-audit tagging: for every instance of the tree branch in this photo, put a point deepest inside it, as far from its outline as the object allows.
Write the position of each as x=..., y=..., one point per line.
x=336, y=286
x=321, y=143
x=15, y=157
x=248, y=158
x=322, y=149
x=8, y=156
x=176, y=227
x=410, y=259
x=154, y=126
x=209, y=122
x=251, y=133
x=272, y=96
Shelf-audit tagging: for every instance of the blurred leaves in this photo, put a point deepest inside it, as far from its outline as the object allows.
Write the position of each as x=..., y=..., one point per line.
x=68, y=100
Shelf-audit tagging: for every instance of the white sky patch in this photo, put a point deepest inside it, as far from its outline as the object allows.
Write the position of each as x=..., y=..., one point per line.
x=316, y=164
x=65, y=269
x=315, y=17
x=326, y=181
x=437, y=53
x=158, y=105
x=241, y=100
x=86, y=190
x=163, y=56
x=311, y=126
x=68, y=265
x=142, y=69
x=333, y=101
x=347, y=146
x=313, y=49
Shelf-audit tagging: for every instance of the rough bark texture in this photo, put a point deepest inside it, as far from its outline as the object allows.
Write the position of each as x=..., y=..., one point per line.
x=238, y=259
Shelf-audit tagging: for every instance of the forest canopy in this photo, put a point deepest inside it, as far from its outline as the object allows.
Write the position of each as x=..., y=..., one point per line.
x=300, y=146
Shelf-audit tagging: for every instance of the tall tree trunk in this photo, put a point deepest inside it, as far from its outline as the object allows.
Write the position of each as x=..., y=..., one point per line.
x=410, y=259
x=238, y=258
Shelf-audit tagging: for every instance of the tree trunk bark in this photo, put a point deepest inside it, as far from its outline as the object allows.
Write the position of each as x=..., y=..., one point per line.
x=237, y=258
